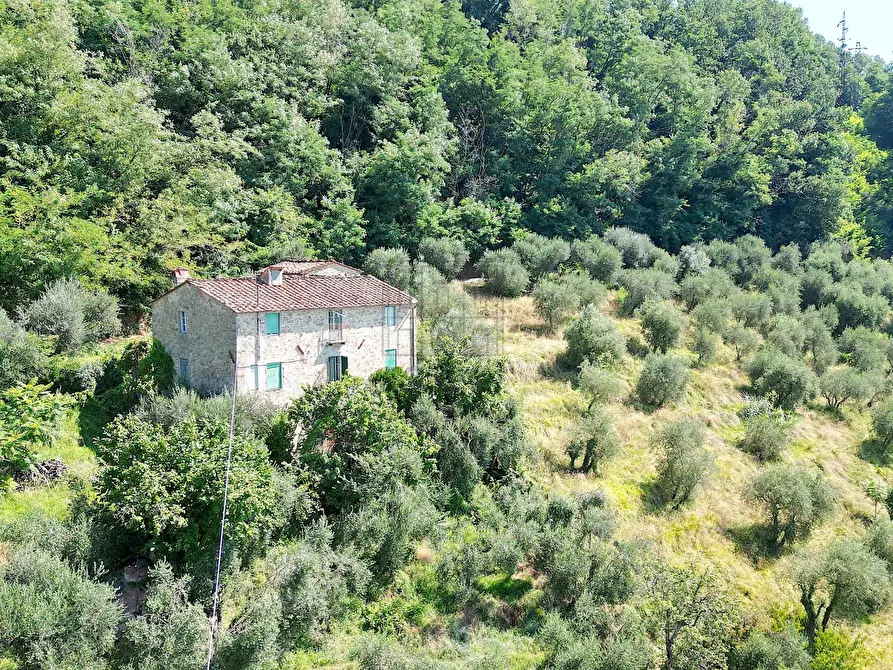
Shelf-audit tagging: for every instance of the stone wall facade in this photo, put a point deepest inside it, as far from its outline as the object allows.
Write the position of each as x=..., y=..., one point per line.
x=301, y=349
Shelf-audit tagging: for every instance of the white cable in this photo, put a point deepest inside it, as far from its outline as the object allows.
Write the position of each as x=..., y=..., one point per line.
x=229, y=458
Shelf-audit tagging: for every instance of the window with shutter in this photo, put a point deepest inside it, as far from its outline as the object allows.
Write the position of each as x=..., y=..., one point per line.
x=274, y=376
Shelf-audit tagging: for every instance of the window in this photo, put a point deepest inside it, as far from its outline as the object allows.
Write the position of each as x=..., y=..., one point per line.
x=184, y=326
x=184, y=369
x=251, y=378
x=390, y=358
x=337, y=367
x=336, y=319
x=390, y=315
x=274, y=376
x=271, y=322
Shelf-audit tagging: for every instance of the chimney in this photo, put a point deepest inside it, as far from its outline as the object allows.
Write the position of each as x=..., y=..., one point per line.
x=272, y=276
x=180, y=275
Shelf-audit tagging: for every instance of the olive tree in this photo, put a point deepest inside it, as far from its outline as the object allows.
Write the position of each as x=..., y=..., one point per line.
x=663, y=380
x=595, y=440
x=593, y=336
x=842, y=579
x=765, y=436
x=794, y=499
x=505, y=273
x=683, y=461
x=601, y=260
x=446, y=254
x=882, y=422
x=598, y=384
x=842, y=384
x=390, y=265
x=785, y=381
x=662, y=324
x=643, y=285
x=743, y=340
x=704, y=346
x=864, y=349
x=21, y=356
x=540, y=255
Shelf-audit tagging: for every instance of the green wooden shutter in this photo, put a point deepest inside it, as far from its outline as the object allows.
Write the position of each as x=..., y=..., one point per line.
x=390, y=358
x=271, y=320
x=274, y=376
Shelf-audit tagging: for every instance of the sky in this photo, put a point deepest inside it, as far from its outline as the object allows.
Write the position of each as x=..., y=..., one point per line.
x=869, y=21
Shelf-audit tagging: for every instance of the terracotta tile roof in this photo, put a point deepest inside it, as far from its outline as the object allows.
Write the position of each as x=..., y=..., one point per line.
x=293, y=267
x=301, y=291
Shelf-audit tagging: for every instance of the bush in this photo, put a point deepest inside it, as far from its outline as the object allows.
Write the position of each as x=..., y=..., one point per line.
x=390, y=265
x=595, y=440
x=644, y=285
x=448, y=255
x=593, y=336
x=598, y=258
x=29, y=420
x=880, y=541
x=794, y=499
x=21, y=356
x=785, y=381
x=693, y=260
x=697, y=288
x=541, y=255
x=663, y=380
x=704, y=346
x=882, y=422
x=74, y=314
x=504, y=272
x=662, y=324
x=55, y=617
x=775, y=651
x=683, y=460
x=765, y=435
x=864, y=349
x=163, y=488
x=838, y=650
x=842, y=384
x=600, y=385
x=712, y=314
x=637, y=249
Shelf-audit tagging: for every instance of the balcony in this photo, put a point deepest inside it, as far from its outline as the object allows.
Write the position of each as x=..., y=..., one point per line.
x=336, y=335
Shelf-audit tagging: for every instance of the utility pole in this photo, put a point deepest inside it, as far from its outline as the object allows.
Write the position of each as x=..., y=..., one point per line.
x=843, y=51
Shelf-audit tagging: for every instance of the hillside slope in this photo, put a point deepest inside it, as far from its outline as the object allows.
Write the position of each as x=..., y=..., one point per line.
x=713, y=528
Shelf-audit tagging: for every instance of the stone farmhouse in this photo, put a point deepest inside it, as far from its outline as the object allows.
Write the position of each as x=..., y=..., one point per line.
x=293, y=324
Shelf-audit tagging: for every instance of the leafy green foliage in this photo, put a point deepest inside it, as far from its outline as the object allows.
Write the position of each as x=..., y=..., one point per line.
x=785, y=381
x=593, y=336
x=704, y=346
x=164, y=489
x=601, y=260
x=601, y=386
x=683, y=461
x=765, y=435
x=764, y=652
x=540, y=255
x=595, y=441
x=793, y=499
x=29, y=418
x=21, y=355
x=839, y=385
x=505, y=274
x=390, y=265
x=662, y=324
x=448, y=255
x=663, y=380
x=644, y=285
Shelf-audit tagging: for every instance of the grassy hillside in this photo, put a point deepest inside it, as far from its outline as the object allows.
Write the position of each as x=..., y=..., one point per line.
x=718, y=525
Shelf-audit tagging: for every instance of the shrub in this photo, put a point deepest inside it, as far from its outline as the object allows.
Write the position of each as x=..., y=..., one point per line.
x=794, y=499
x=541, y=255
x=743, y=340
x=843, y=578
x=390, y=265
x=595, y=440
x=504, y=272
x=788, y=335
x=751, y=309
x=842, y=384
x=693, y=260
x=21, y=357
x=697, y=288
x=880, y=541
x=662, y=324
x=636, y=249
x=712, y=314
x=683, y=461
x=882, y=422
x=765, y=436
x=838, y=650
x=864, y=349
x=773, y=651
x=29, y=419
x=704, y=346
x=663, y=380
x=644, y=285
x=163, y=488
x=74, y=314
x=598, y=258
x=600, y=385
x=785, y=381
x=448, y=255
x=593, y=336
x=56, y=617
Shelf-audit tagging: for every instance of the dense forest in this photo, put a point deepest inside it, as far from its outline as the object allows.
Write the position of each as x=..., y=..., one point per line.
x=136, y=136
x=652, y=428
